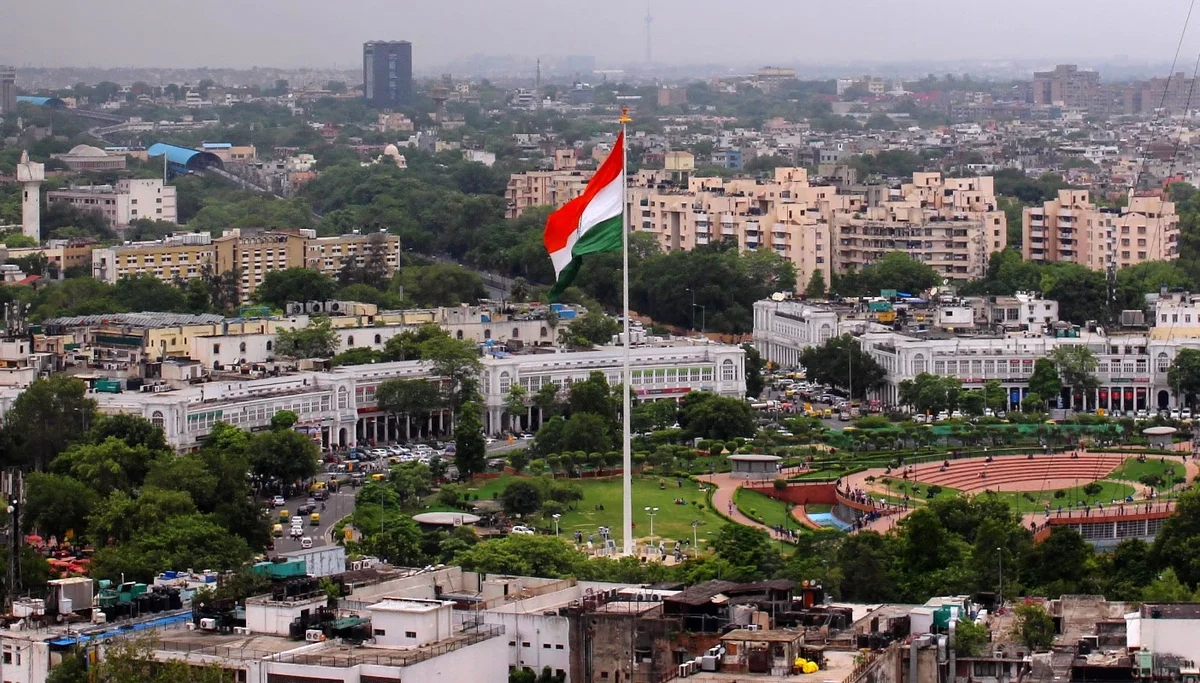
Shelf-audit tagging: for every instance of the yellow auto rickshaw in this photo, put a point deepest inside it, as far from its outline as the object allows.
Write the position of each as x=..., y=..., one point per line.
x=284, y=515
x=314, y=519
x=378, y=476
x=277, y=531
x=316, y=486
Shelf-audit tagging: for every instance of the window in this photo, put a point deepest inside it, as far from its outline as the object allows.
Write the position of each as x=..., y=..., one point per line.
x=919, y=364
x=516, y=333
x=380, y=632
x=270, y=345
x=545, y=646
x=378, y=338
x=1163, y=363
x=242, y=347
x=545, y=332
x=524, y=643
x=156, y=418
x=459, y=335
x=559, y=646
x=728, y=371
x=216, y=348
x=410, y=634
x=350, y=340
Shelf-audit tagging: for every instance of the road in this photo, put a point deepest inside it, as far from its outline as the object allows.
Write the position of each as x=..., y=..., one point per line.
x=338, y=505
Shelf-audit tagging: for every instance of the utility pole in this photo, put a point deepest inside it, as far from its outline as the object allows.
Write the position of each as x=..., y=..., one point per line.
x=12, y=482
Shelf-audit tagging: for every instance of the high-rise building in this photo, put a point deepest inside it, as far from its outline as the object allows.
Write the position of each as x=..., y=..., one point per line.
x=1071, y=228
x=387, y=73
x=8, y=89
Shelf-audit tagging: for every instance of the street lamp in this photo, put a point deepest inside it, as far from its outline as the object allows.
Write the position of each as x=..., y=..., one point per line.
x=692, y=327
x=695, y=541
x=556, y=516
x=1000, y=561
x=703, y=315
x=651, y=511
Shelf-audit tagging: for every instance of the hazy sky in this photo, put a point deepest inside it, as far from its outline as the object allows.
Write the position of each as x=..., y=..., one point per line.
x=288, y=33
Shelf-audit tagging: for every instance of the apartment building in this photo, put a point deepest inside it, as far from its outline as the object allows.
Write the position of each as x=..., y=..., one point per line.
x=787, y=214
x=178, y=257
x=60, y=255
x=128, y=200
x=543, y=188
x=952, y=225
x=252, y=253
x=1071, y=228
x=1066, y=86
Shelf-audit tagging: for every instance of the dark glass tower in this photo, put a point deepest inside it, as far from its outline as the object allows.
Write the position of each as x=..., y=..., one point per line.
x=387, y=73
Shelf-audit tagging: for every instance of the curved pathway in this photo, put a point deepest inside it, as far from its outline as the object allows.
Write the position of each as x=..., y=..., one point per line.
x=723, y=503
x=725, y=487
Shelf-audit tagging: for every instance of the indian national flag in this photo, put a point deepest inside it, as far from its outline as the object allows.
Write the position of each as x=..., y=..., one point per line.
x=590, y=223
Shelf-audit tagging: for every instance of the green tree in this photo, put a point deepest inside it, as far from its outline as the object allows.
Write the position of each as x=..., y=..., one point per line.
x=316, y=340
x=1033, y=626
x=514, y=406
x=547, y=401
x=411, y=481
x=521, y=554
x=587, y=432
x=470, y=452
x=47, y=416
x=359, y=355
x=754, y=371
x=413, y=398
x=1045, y=380
x=748, y=550
x=594, y=327
x=56, y=503
x=521, y=497
x=107, y=466
x=1077, y=366
x=286, y=455
x=708, y=416
x=1184, y=374
x=816, y=285
x=970, y=639
x=408, y=345
x=1167, y=588
x=594, y=395
x=841, y=362
x=457, y=361
x=134, y=430
x=284, y=419
x=1177, y=544
x=929, y=393
x=442, y=285
x=279, y=287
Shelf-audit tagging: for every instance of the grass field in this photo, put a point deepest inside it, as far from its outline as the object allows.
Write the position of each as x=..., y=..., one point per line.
x=1132, y=470
x=915, y=489
x=818, y=508
x=772, y=512
x=1109, y=491
x=672, y=521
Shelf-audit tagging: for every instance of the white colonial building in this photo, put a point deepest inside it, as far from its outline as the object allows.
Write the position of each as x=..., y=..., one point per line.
x=339, y=406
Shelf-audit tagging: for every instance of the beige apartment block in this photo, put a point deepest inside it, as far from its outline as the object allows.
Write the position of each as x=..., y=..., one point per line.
x=252, y=253
x=1071, y=228
x=543, y=188
x=952, y=225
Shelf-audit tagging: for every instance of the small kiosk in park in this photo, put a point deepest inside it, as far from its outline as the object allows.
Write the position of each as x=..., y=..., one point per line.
x=754, y=466
x=1159, y=437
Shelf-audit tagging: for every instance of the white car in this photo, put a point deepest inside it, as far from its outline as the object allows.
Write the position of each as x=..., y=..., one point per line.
x=306, y=543
x=1142, y=415
x=522, y=530
x=956, y=415
x=943, y=416
x=1186, y=414
x=1175, y=414
x=297, y=521
x=277, y=501
x=919, y=418
x=526, y=436
x=988, y=412
x=296, y=532
x=488, y=441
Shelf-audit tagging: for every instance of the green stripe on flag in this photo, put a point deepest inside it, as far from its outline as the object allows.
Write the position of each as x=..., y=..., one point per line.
x=601, y=237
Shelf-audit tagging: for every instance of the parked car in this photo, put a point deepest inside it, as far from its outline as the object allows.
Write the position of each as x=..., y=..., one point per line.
x=277, y=501
x=522, y=530
x=1186, y=414
x=1142, y=414
x=919, y=418
x=956, y=415
x=1176, y=414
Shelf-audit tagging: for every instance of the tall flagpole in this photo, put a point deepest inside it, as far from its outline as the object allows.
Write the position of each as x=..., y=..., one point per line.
x=626, y=377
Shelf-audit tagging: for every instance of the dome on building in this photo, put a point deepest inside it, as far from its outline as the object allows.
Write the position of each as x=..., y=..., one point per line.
x=87, y=151
x=391, y=151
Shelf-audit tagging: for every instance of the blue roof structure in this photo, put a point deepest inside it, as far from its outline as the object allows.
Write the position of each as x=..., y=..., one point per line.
x=51, y=102
x=119, y=629
x=216, y=145
x=183, y=158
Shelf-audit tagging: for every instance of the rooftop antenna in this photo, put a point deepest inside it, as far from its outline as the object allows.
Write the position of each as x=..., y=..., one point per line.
x=649, y=20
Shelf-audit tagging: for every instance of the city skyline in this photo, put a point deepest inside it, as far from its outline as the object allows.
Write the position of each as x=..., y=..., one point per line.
x=224, y=33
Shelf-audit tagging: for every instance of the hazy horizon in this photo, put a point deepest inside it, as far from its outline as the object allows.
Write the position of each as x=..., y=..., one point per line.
x=306, y=33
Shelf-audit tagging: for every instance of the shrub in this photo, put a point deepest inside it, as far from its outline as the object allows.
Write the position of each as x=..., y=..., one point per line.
x=1092, y=488
x=932, y=491
x=1060, y=494
x=780, y=484
x=1151, y=480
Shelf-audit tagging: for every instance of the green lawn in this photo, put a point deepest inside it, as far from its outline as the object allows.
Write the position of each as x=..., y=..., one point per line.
x=1109, y=491
x=672, y=521
x=1132, y=470
x=915, y=489
x=770, y=511
x=818, y=508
